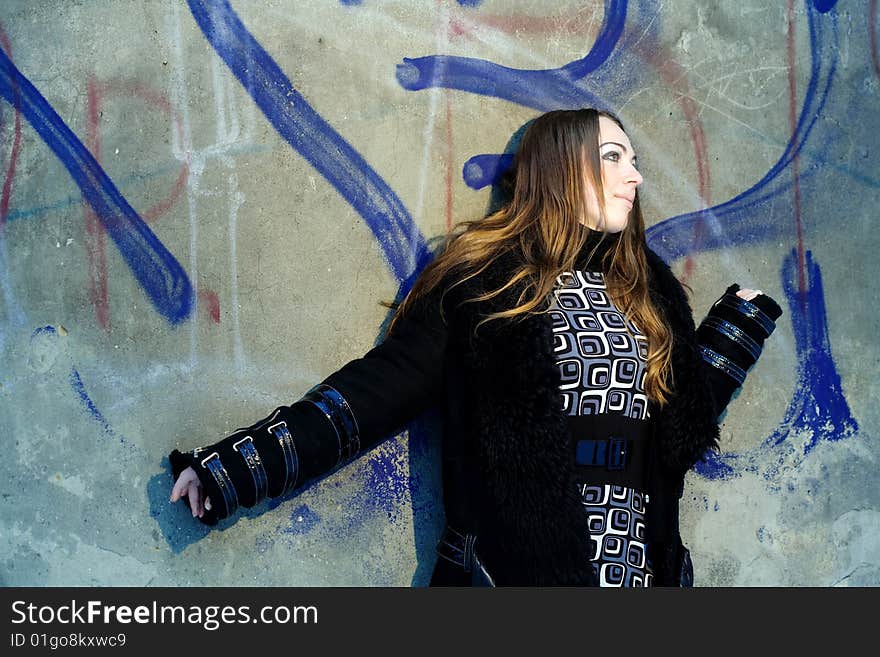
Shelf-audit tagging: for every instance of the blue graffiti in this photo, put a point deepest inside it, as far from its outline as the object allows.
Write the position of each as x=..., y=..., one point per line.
x=818, y=404
x=80, y=389
x=824, y=6
x=302, y=521
x=44, y=349
x=310, y=135
x=606, y=74
x=557, y=88
x=161, y=276
x=818, y=408
x=482, y=170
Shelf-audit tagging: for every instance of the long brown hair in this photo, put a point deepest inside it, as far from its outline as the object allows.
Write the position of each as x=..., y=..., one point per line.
x=558, y=155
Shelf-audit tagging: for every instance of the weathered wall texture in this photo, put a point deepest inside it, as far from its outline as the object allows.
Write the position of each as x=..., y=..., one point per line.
x=203, y=203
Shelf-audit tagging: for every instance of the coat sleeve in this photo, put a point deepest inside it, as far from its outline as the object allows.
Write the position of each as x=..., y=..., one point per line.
x=731, y=338
x=367, y=400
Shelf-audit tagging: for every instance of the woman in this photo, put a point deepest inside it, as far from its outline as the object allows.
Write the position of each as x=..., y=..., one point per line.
x=563, y=352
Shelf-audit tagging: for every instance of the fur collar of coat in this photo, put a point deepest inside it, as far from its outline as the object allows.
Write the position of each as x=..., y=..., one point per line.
x=530, y=523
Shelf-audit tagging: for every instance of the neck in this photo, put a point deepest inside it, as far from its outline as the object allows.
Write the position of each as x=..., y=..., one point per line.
x=600, y=242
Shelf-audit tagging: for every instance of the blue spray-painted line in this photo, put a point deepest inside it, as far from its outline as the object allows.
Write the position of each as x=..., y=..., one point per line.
x=161, y=276
x=41, y=335
x=541, y=89
x=310, y=135
x=80, y=389
x=818, y=407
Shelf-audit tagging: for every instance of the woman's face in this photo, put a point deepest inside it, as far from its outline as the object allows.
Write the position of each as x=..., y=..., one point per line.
x=619, y=178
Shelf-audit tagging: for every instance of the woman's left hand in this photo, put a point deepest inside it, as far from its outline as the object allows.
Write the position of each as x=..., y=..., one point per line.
x=748, y=294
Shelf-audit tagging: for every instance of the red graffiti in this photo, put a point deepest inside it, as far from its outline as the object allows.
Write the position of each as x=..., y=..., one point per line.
x=212, y=303
x=16, y=143
x=793, y=120
x=127, y=89
x=95, y=247
x=98, y=93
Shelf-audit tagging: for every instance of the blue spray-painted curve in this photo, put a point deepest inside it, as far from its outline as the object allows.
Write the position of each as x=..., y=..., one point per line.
x=541, y=89
x=485, y=169
x=310, y=135
x=675, y=237
x=161, y=276
x=607, y=74
x=818, y=405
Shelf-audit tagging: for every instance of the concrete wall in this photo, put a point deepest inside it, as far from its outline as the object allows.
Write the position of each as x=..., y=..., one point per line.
x=202, y=205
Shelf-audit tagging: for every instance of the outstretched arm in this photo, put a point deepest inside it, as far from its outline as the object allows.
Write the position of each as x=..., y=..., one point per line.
x=366, y=401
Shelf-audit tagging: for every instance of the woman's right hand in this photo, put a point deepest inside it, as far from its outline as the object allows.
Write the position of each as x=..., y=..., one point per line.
x=188, y=484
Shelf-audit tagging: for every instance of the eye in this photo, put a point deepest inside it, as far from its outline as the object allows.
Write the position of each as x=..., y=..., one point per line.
x=611, y=156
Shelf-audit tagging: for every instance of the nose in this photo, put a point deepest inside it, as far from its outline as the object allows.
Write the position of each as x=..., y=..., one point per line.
x=634, y=176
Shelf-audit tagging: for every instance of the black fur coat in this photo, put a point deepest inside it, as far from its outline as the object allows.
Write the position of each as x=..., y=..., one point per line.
x=506, y=439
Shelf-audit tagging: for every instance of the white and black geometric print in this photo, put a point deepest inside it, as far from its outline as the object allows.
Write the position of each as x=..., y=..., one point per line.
x=601, y=355
x=616, y=516
x=601, y=358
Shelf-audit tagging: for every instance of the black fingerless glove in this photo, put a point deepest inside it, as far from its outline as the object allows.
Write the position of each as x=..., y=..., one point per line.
x=274, y=456
x=731, y=339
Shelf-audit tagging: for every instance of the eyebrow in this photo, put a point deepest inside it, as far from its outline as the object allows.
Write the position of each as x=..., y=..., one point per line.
x=616, y=143
x=625, y=149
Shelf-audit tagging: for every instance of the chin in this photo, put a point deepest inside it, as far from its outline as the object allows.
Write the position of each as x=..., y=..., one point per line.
x=616, y=224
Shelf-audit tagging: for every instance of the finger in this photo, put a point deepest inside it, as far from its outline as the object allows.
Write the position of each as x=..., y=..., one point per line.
x=177, y=490
x=193, y=494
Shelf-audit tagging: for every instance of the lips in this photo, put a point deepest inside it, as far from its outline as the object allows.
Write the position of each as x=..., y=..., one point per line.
x=629, y=200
